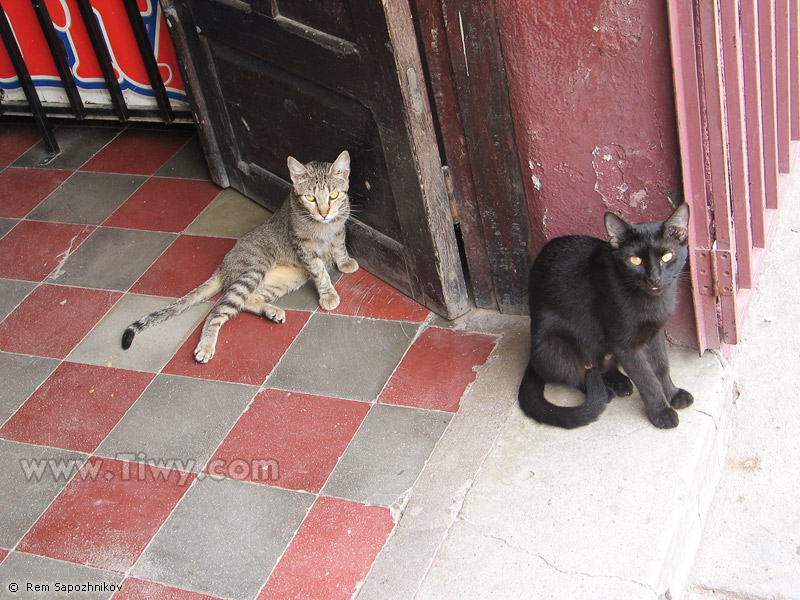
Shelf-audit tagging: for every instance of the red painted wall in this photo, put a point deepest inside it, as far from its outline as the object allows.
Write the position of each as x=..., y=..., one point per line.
x=592, y=100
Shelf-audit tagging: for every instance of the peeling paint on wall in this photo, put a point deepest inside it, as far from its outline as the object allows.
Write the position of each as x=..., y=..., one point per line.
x=593, y=105
x=618, y=179
x=537, y=183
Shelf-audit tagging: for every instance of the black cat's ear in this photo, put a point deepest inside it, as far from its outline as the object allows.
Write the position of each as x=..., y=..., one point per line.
x=297, y=171
x=341, y=166
x=677, y=226
x=617, y=229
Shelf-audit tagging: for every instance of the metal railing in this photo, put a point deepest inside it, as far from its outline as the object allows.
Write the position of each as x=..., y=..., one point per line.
x=118, y=108
x=737, y=69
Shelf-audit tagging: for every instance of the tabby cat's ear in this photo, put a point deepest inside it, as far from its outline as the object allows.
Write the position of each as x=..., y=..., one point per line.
x=677, y=226
x=341, y=166
x=297, y=170
x=617, y=229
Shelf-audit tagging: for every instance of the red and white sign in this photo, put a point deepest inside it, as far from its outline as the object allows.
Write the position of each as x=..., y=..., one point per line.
x=119, y=39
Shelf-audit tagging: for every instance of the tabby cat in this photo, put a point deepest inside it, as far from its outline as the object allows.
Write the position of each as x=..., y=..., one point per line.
x=303, y=239
x=597, y=305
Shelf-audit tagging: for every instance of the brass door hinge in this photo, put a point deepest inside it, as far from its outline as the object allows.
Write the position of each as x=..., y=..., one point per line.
x=714, y=272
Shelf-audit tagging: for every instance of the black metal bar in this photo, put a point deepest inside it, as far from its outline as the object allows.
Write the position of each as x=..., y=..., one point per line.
x=104, y=59
x=59, y=54
x=149, y=59
x=28, y=86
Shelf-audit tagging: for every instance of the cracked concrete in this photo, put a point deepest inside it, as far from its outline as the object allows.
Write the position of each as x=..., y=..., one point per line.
x=751, y=546
x=614, y=500
x=509, y=508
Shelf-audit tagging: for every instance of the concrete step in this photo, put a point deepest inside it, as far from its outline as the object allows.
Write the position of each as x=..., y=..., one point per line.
x=509, y=508
x=751, y=545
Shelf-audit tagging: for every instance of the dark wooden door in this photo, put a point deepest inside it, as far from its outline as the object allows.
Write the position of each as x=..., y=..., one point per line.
x=272, y=78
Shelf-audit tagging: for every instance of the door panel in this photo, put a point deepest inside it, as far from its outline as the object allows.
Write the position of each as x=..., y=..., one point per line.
x=275, y=78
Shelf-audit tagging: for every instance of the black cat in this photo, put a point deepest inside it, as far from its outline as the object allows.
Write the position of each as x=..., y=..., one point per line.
x=597, y=305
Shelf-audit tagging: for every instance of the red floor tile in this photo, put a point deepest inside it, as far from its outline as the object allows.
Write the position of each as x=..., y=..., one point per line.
x=248, y=349
x=21, y=190
x=364, y=295
x=186, y=264
x=163, y=204
x=17, y=139
x=300, y=435
x=107, y=514
x=32, y=250
x=76, y=407
x=137, y=589
x=331, y=553
x=138, y=151
x=437, y=369
x=3, y=554
x=52, y=320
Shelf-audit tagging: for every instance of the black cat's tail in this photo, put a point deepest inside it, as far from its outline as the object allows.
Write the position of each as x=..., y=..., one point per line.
x=535, y=405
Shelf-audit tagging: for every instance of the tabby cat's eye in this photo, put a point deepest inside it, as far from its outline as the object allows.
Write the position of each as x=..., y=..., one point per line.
x=334, y=195
x=309, y=198
x=635, y=260
x=667, y=257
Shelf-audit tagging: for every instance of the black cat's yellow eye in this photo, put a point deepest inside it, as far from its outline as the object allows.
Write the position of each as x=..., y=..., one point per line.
x=635, y=260
x=334, y=195
x=309, y=198
x=667, y=257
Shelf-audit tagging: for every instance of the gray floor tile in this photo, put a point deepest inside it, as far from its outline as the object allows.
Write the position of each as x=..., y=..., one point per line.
x=224, y=537
x=12, y=292
x=188, y=163
x=7, y=225
x=25, y=496
x=23, y=569
x=345, y=357
x=229, y=215
x=23, y=375
x=151, y=349
x=112, y=259
x=179, y=418
x=87, y=198
x=77, y=144
x=386, y=455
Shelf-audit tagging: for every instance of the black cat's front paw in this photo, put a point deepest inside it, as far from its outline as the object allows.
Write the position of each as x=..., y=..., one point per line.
x=618, y=384
x=666, y=418
x=682, y=399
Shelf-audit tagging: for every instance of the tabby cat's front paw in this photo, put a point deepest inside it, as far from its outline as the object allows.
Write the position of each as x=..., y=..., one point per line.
x=329, y=301
x=204, y=352
x=665, y=418
x=348, y=266
x=275, y=314
x=682, y=399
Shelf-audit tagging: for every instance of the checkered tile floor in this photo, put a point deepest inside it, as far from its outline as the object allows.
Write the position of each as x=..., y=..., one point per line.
x=277, y=470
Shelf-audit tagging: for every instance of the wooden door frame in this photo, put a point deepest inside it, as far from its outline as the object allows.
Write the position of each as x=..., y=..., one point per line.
x=468, y=98
x=460, y=43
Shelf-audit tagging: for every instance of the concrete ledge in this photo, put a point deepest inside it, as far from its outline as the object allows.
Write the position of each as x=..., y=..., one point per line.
x=509, y=508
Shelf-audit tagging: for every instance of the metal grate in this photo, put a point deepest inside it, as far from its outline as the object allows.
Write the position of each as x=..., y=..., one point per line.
x=736, y=65
x=77, y=109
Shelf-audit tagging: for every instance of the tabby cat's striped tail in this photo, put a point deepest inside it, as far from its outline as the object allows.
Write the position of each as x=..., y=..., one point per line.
x=181, y=305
